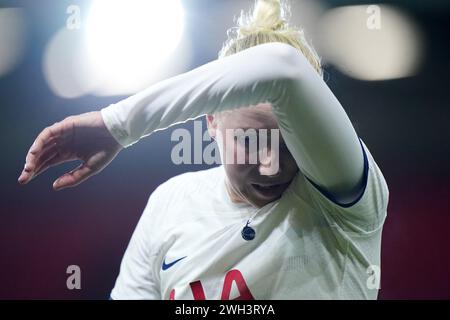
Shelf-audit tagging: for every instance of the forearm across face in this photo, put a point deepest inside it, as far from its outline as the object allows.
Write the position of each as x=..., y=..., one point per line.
x=247, y=78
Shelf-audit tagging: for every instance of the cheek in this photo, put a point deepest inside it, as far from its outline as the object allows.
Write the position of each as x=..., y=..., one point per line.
x=235, y=153
x=238, y=172
x=237, y=178
x=288, y=162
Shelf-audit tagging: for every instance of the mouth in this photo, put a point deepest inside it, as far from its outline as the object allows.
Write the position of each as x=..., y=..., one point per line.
x=270, y=190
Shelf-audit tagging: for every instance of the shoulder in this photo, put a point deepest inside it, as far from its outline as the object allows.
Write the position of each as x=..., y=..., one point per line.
x=191, y=181
x=169, y=201
x=186, y=184
x=367, y=213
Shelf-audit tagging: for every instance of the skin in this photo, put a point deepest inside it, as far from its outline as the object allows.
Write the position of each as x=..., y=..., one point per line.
x=241, y=178
x=85, y=138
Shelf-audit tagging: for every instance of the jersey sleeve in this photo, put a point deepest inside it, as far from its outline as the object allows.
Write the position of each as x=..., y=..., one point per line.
x=364, y=214
x=252, y=76
x=138, y=277
x=314, y=125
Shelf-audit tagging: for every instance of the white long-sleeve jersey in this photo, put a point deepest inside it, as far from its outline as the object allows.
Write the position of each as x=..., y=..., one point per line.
x=315, y=242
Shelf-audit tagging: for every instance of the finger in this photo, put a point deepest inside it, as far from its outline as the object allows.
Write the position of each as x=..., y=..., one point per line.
x=43, y=139
x=34, y=154
x=33, y=162
x=57, y=130
x=73, y=178
x=25, y=175
x=50, y=152
x=46, y=138
x=37, y=147
x=52, y=161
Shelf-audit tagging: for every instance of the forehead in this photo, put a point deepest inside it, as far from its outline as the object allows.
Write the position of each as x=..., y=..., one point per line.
x=257, y=117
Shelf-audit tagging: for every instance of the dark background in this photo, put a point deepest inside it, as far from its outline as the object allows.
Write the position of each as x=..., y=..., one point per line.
x=404, y=123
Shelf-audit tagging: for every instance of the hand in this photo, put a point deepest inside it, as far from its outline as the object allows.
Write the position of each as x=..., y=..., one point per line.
x=83, y=137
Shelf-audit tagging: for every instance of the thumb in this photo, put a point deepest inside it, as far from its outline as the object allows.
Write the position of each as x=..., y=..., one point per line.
x=73, y=178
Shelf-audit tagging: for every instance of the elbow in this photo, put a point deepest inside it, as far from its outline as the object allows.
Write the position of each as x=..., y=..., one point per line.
x=289, y=60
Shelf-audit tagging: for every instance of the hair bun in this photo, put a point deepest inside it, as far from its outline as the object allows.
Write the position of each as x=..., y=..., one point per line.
x=268, y=21
x=267, y=16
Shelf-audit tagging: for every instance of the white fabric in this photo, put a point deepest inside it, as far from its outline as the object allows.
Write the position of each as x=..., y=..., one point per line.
x=314, y=125
x=306, y=246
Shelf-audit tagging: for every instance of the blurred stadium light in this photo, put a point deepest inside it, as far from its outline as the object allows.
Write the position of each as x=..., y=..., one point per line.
x=306, y=14
x=128, y=40
x=66, y=65
x=365, y=51
x=12, y=38
x=123, y=47
x=433, y=5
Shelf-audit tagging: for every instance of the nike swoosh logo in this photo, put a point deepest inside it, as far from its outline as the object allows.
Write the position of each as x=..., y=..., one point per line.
x=168, y=265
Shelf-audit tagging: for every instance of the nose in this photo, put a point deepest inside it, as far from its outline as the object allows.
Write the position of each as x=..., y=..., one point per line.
x=269, y=163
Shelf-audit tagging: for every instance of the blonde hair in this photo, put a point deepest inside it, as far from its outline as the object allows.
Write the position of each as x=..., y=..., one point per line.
x=267, y=21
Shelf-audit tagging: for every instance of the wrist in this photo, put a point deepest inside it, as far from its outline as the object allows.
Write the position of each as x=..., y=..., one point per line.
x=112, y=126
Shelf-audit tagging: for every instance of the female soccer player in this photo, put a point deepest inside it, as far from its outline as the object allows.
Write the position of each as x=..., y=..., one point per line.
x=308, y=229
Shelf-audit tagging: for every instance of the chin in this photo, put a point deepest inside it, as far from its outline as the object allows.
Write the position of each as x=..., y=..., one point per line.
x=259, y=202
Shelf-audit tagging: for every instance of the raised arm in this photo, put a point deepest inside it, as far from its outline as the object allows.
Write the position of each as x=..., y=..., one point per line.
x=252, y=76
x=313, y=123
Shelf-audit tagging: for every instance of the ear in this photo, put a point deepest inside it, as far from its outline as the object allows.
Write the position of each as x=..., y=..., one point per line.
x=211, y=122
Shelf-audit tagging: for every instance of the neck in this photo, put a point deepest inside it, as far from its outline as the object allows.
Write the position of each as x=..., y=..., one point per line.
x=233, y=196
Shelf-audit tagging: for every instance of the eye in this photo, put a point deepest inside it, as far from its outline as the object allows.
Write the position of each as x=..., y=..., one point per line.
x=245, y=142
x=242, y=139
